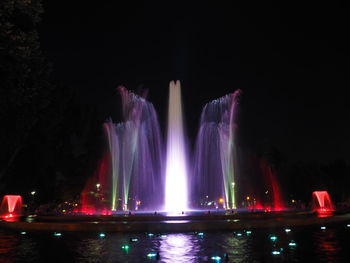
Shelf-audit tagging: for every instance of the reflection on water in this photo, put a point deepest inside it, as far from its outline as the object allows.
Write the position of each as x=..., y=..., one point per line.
x=91, y=250
x=312, y=245
x=179, y=248
x=237, y=248
x=8, y=247
x=327, y=245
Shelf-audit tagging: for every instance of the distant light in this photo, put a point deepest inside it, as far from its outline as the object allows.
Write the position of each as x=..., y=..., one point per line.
x=248, y=232
x=163, y=236
x=292, y=244
x=221, y=200
x=57, y=234
x=98, y=185
x=152, y=254
x=239, y=234
x=33, y=192
x=266, y=192
x=287, y=230
x=216, y=258
x=200, y=234
x=348, y=225
x=273, y=238
x=275, y=252
x=150, y=234
x=323, y=227
x=293, y=201
x=102, y=235
x=248, y=197
x=23, y=233
x=134, y=239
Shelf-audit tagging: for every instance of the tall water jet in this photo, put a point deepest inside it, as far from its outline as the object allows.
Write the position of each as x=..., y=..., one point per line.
x=215, y=153
x=176, y=168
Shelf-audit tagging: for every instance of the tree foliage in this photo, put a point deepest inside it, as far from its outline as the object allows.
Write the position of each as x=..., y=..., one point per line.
x=25, y=88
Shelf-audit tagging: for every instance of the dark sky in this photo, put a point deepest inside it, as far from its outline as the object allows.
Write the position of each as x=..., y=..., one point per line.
x=292, y=65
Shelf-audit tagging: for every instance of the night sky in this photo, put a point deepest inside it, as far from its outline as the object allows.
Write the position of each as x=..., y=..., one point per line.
x=292, y=66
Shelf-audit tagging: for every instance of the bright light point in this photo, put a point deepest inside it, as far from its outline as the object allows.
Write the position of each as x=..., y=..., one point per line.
x=248, y=197
x=102, y=235
x=292, y=244
x=239, y=234
x=287, y=230
x=98, y=185
x=323, y=228
x=248, y=233
x=23, y=233
x=125, y=247
x=200, y=234
x=152, y=255
x=150, y=234
x=134, y=239
x=273, y=238
x=176, y=171
x=57, y=234
x=275, y=252
x=33, y=192
x=348, y=225
x=163, y=236
x=216, y=258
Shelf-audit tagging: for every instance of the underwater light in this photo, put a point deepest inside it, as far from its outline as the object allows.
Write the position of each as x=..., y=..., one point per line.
x=292, y=243
x=273, y=238
x=216, y=258
x=153, y=255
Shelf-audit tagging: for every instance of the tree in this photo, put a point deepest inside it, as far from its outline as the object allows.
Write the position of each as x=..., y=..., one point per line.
x=25, y=87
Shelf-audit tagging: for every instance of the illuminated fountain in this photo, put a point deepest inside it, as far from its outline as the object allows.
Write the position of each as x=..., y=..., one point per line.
x=322, y=203
x=176, y=168
x=215, y=156
x=11, y=206
x=129, y=174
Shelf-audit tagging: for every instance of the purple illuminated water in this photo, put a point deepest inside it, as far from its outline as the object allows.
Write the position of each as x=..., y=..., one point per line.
x=131, y=176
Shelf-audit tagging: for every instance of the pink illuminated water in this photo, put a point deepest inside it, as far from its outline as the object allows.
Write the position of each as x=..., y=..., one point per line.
x=321, y=202
x=11, y=206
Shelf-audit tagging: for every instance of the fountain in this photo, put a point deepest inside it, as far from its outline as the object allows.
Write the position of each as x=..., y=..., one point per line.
x=176, y=168
x=11, y=206
x=322, y=203
x=129, y=174
x=215, y=157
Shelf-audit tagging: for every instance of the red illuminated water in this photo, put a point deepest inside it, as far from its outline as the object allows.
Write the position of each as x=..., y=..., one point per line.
x=322, y=203
x=11, y=207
